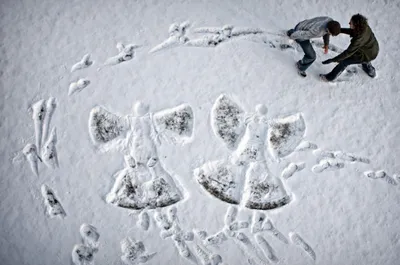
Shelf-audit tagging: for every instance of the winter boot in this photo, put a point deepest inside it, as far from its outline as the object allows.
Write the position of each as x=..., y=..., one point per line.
x=300, y=72
x=369, y=69
x=323, y=78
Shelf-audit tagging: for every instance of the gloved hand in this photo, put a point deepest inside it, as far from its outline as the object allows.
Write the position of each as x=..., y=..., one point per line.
x=325, y=49
x=327, y=61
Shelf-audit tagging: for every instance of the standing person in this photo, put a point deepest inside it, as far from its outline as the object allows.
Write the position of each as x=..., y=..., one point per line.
x=362, y=50
x=309, y=29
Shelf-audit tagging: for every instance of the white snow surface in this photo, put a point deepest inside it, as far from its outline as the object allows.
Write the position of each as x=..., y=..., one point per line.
x=345, y=215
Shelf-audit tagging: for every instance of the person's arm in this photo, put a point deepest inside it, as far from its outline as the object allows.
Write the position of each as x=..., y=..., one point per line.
x=326, y=40
x=355, y=44
x=302, y=34
x=347, y=31
x=326, y=43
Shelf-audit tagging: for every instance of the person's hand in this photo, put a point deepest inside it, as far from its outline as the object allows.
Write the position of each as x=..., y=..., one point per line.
x=325, y=49
x=327, y=61
x=289, y=32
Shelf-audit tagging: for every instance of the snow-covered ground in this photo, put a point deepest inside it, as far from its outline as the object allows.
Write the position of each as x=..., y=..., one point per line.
x=178, y=132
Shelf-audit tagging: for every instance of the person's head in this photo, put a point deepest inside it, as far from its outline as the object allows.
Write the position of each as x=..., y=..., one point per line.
x=358, y=23
x=333, y=27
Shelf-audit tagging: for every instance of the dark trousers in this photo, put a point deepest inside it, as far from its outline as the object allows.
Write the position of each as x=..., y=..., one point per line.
x=309, y=53
x=340, y=67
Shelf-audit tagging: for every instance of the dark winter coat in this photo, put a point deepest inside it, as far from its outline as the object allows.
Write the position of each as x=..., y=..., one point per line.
x=363, y=47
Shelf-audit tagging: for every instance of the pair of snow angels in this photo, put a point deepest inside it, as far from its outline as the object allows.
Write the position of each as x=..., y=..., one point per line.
x=243, y=178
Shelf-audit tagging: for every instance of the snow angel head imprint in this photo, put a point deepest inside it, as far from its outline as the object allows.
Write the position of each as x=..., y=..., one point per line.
x=140, y=109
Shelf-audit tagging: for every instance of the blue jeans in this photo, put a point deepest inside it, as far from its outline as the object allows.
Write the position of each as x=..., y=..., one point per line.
x=309, y=53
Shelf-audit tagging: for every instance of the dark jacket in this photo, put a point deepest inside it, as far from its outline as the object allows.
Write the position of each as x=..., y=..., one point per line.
x=363, y=47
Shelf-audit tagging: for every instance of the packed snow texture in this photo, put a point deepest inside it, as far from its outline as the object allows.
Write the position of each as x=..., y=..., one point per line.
x=228, y=156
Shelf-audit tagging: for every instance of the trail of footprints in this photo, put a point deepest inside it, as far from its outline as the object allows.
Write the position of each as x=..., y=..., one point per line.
x=261, y=251
x=170, y=228
x=44, y=150
x=212, y=36
x=259, y=224
x=194, y=246
x=334, y=160
x=84, y=253
x=80, y=83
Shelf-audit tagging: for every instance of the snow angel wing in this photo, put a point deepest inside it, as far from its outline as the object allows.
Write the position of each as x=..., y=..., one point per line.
x=174, y=124
x=227, y=121
x=285, y=134
x=105, y=126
